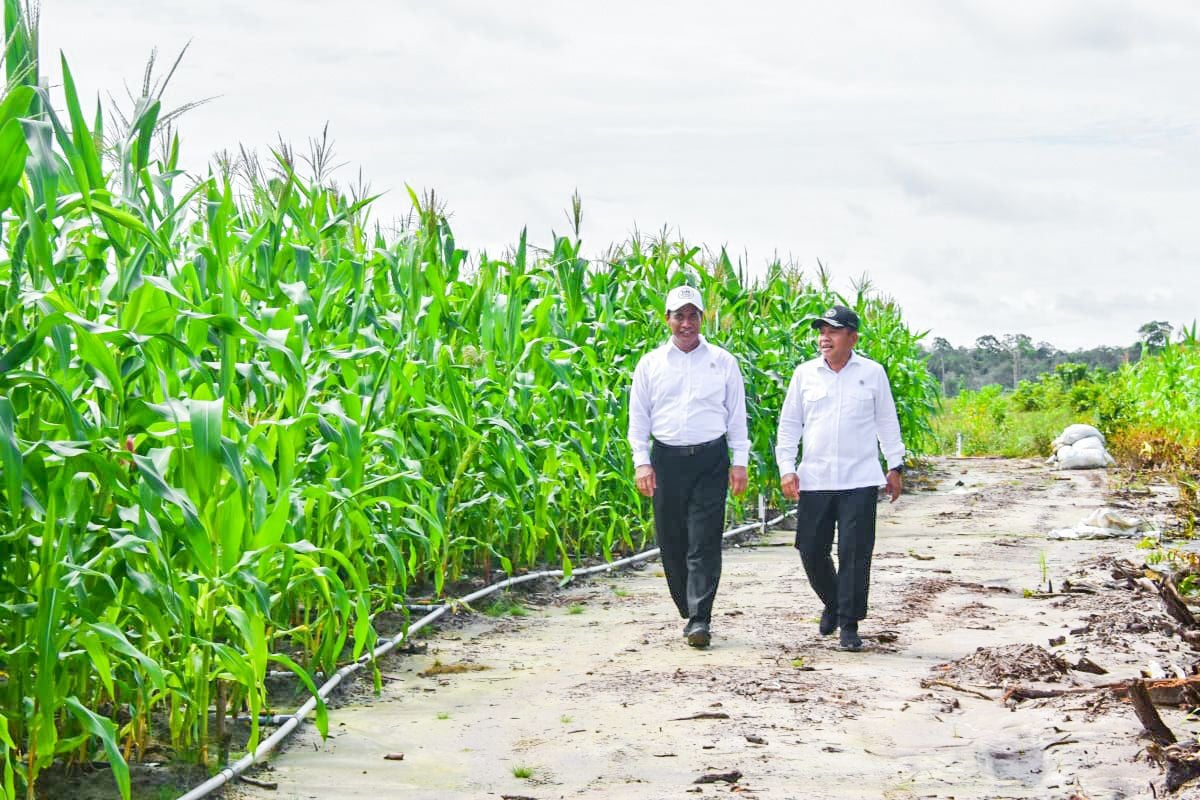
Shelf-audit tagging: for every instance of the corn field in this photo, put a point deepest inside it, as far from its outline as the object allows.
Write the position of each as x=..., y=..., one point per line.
x=238, y=420
x=1161, y=392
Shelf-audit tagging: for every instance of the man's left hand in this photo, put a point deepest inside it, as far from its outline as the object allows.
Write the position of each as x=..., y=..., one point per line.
x=737, y=480
x=895, y=485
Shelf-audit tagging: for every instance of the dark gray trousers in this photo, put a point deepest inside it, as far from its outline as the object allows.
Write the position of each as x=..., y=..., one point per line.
x=843, y=589
x=689, y=516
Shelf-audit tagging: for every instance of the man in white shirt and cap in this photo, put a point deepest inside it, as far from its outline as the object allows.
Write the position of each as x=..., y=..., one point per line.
x=687, y=411
x=840, y=406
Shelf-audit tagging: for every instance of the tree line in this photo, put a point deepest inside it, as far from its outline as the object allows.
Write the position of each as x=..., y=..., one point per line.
x=1009, y=359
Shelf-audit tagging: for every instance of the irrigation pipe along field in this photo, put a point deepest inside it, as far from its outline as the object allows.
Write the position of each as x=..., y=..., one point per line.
x=292, y=721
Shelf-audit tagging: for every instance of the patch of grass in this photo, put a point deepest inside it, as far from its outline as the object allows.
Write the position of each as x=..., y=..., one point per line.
x=575, y=608
x=619, y=592
x=798, y=662
x=565, y=719
x=443, y=715
x=523, y=772
x=992, y=424
x=506, y=606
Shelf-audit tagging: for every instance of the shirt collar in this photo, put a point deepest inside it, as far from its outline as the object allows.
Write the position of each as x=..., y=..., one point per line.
x=854, y=358
x=671, y=346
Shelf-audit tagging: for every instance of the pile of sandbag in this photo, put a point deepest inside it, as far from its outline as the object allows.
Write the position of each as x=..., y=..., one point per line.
x=1080, y=447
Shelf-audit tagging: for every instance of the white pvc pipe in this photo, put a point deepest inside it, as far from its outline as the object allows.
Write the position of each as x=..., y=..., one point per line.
x=292, y=721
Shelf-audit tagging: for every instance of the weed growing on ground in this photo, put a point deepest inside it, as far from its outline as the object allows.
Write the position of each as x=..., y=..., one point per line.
x=506, y=606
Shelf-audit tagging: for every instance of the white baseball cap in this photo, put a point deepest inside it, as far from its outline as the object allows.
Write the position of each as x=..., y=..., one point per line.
x=681, y=296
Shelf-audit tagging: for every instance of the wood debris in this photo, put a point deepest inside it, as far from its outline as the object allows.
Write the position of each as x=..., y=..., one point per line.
x=733, y=776
x=703, y=715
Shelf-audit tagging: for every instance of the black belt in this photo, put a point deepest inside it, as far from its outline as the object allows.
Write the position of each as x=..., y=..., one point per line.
x=689, y=449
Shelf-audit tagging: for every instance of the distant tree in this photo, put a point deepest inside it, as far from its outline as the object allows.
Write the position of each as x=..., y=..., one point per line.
x=1155, y=335
x=941, y=349
x=989, y=344
x=1009, y=359
x=1018, y=346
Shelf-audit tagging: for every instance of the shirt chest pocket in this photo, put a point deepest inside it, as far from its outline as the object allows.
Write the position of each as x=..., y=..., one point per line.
x=816, y=401
x=709, y=388
x=861, y=400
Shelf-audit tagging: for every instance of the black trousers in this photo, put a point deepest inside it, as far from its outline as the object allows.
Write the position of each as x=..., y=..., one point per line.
x=843, y=589
x=689, y=516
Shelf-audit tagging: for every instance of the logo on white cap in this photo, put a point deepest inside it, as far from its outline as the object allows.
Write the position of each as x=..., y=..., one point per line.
x=680, y=296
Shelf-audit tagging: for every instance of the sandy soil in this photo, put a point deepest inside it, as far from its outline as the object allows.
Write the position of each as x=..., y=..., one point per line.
x=592, y=692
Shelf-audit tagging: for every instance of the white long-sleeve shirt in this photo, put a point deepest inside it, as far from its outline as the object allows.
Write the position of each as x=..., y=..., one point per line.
x=843, y=419
x=688, y=398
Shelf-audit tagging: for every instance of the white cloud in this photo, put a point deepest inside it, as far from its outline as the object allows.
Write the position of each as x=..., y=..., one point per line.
x=984, y=162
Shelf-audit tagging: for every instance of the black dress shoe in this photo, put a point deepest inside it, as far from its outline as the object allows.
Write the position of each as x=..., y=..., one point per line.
x=828, y=622
x=849, y=639
x=697, y=634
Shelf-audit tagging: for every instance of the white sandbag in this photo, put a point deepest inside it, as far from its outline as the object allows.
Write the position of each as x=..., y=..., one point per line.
x=1074, y=458
x=1113, y=518
x=1091, y=532
x=1080, y=446
x=1073, y=433
x=1107, y=523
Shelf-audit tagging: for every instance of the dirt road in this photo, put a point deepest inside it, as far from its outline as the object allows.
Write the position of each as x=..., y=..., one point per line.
x=594, y=693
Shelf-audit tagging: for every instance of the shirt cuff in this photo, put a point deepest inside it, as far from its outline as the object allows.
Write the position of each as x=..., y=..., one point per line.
x=641, y=457
x=740, y=458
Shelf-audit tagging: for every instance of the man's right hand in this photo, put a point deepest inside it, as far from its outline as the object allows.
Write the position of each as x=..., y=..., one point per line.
x=645, y=480
x=790, y=484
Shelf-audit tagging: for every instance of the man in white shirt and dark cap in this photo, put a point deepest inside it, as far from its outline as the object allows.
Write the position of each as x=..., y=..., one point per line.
x=840, y=406
x=687, y=411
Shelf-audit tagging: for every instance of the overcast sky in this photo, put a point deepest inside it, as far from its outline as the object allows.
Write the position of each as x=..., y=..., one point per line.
x=996, y=167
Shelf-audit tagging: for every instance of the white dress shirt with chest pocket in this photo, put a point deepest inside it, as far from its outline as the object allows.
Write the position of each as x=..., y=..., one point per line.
x=843, y=418
x=688, y=398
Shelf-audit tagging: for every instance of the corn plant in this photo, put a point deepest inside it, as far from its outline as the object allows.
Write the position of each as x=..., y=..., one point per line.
x=238, y=419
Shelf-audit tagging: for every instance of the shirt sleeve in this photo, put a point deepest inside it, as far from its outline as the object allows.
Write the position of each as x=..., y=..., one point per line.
x=735, y=414
x=887, y=424
x=791, y=427
x=639, y=415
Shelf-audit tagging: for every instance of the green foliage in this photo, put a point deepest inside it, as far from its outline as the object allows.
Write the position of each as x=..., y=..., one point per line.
x=238, y=420
x=505, y=606
x=1160, y=392
x=1024, y=422
x=994, y=423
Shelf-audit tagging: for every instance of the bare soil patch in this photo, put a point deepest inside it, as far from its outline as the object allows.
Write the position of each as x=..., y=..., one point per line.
x=594, y=694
